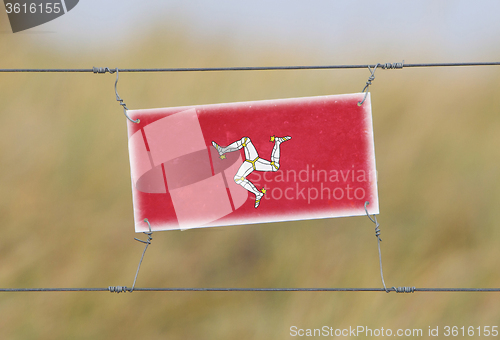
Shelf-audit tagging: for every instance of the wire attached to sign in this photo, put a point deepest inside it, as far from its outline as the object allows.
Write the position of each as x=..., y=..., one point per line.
x=386, y=66
x=372, y=69
x=377, y=235
x=123, y=289
x=118, y=98
x=365, y=89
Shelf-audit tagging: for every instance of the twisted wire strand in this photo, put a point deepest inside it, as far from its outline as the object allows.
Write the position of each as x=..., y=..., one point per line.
x=389, y=66
x=377, y=235
x=118, y=98
x=368, y=83
x=404, y=289
x=147, y=242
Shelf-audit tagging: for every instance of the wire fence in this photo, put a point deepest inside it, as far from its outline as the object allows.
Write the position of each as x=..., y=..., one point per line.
x=371, y=67
x=123, y=289
x=248, y=68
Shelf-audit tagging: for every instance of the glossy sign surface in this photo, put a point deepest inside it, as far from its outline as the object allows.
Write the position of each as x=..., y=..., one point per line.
x=252, y=162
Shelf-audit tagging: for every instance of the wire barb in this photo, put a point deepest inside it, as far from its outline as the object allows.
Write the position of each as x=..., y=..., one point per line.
x=103, y=70
x=118, y=289
x=389, y=66
x=404, y=289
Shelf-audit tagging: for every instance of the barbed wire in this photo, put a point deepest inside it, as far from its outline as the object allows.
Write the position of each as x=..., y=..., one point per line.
x=250, y=68
x=123, y=289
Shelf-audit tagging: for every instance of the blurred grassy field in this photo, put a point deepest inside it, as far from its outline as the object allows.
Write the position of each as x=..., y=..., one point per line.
x=66, y=205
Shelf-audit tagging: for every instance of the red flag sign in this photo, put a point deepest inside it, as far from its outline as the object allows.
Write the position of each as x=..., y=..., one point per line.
x=252, y=162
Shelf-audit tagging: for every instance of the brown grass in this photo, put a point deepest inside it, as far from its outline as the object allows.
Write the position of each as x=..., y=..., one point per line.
x=66, y=208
